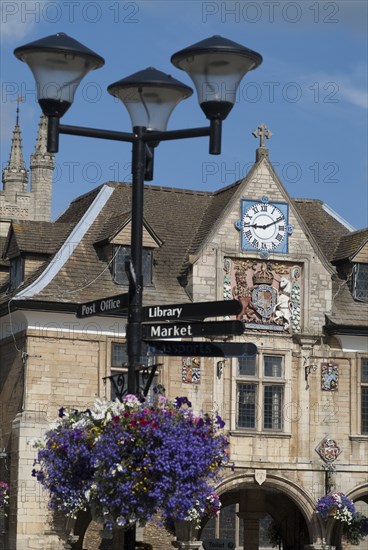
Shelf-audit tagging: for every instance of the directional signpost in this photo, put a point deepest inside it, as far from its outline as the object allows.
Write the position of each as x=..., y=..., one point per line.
x=201, y=349
x=103, y=306
x=199, y=310
x=182, y=327
x=185, y=330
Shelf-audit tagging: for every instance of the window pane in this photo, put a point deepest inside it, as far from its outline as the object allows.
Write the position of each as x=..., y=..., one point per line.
x=119, y=355
x=364, y=410
x=246, y=405
x=273, y=366
x=121, y=254
x=247, y=365
x=361, y=282
x=365, y=370
x=147, y=266
x=273, y=396
x=16, y=272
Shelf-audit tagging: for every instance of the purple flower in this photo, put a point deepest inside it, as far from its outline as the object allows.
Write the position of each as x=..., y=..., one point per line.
x=336, y=505
x=180, y=401
x=132, y=460
x=220, y=422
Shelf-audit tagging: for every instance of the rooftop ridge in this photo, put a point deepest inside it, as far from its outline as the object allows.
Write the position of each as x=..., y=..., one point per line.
x=307, y=200
x=164, y=188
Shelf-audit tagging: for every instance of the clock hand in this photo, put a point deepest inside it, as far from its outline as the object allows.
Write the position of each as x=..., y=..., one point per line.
x=269, y=224
x=256, y=226
x=260, y=226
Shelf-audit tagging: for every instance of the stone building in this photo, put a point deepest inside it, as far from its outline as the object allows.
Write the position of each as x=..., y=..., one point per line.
x=16, y=201
x=297, y=411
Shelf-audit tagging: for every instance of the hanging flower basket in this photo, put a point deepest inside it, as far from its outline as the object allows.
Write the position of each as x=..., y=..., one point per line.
x=357, y=530
x=132, y=460
x=336, y=506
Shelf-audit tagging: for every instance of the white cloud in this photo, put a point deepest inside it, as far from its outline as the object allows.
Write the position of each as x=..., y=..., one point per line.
x=349, y=87
x=354, y=96
x=18, y=18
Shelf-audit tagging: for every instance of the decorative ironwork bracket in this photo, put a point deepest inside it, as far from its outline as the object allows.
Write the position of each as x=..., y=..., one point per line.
x=308, y=369
x=145, y=378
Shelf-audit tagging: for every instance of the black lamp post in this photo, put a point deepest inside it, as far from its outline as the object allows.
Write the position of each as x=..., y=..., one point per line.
x=216, y=66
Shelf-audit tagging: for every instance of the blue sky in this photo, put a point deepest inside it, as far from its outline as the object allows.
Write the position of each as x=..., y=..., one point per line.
x=311, y=91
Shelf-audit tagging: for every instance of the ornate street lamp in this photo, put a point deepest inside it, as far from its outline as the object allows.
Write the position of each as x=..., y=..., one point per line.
x=216, y=66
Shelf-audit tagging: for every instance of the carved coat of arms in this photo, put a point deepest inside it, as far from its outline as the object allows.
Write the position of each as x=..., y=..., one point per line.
x=270, y=293
x=328, y=450
x=191, y=370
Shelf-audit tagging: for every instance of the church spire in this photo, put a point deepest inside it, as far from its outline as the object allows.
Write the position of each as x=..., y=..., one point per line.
x=42, y=167
x=15, y=174
x=41, y=140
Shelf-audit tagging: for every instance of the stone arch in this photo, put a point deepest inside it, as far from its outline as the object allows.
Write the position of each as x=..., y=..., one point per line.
x=359, y=493
x=302, y=500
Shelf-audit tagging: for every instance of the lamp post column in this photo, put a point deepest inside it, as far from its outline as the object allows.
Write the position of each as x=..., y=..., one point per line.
x=135, y=277
x=134, y=269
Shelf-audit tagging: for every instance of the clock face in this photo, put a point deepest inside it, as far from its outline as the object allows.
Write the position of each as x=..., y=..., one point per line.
x=264, y=227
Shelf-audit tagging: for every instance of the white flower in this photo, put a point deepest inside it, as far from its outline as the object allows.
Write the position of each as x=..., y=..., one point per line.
x=131, y=400
x=99, y=409
x=35, y=442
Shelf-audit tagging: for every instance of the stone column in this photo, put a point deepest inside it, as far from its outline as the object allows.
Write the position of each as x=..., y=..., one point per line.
x=32, y=526
x=252, y=508
x=251, y=529
x=186, y=536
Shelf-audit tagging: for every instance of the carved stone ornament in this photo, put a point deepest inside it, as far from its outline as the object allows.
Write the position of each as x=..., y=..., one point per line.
x=329, y=376
x=260, y=476
x=328, y=449
x=191, y=370
x=270, y=293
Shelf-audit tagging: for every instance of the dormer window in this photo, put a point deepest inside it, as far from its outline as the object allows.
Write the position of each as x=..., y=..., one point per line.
x=360, y=282
x=16, y=272
x=123, y=253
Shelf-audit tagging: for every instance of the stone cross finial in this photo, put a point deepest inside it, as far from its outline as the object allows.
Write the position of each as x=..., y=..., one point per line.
x=262, y=132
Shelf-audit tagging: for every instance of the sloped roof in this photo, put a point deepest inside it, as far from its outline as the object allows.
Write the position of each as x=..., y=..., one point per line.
x=345, y=310
x=350, y=244
x=112, y=226
x=182, y=219
x=37, y=237
x=173, y=214
x=216, y=203
x=78, y=207
x=326, y=229
x=3, y=262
